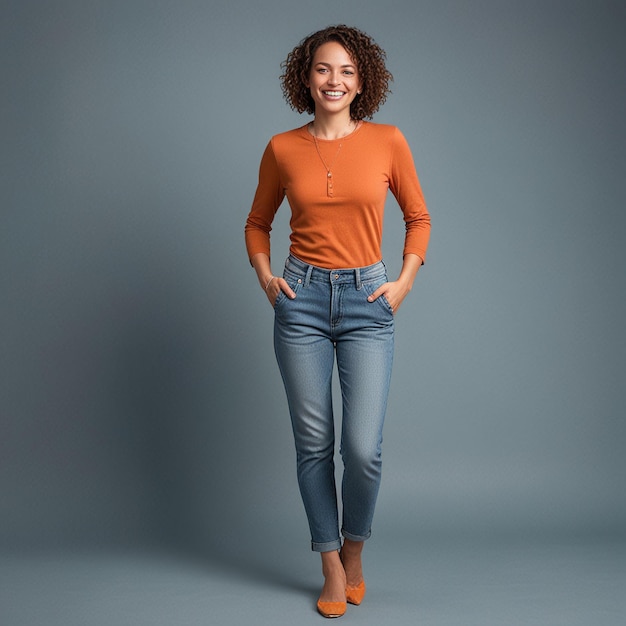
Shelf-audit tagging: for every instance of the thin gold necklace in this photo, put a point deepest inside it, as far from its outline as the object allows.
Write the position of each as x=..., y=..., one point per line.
x=329, y=171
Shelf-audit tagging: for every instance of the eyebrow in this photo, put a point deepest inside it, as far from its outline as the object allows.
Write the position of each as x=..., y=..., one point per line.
x=328, y=64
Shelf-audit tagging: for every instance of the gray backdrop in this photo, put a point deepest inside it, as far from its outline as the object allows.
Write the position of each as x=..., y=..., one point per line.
x=139, y=397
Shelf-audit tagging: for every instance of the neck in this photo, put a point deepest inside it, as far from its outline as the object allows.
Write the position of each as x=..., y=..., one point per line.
x=333, y=127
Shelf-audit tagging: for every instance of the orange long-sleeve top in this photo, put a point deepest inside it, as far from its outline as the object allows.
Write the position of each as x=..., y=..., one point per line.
x=337, y=218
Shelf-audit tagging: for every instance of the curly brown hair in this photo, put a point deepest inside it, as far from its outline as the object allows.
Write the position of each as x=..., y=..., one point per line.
x=368, y=56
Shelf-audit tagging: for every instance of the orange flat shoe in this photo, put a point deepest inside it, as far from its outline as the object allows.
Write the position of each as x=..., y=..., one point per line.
x=331, y=609
x=355, y=595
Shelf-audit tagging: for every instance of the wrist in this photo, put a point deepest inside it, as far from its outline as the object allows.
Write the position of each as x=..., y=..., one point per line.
x=406, y=282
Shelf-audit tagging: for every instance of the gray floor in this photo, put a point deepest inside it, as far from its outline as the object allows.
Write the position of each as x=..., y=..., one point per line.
x=444, y=581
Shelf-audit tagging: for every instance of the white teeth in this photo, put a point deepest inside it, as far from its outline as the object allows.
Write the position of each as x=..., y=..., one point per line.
x=333, y=93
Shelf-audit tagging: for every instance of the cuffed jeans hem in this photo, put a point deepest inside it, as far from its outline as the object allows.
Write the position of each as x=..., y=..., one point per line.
x=329, y=546
x=352, y=537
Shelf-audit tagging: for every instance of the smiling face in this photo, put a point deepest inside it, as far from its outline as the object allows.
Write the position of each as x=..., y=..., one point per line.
x=334, y=79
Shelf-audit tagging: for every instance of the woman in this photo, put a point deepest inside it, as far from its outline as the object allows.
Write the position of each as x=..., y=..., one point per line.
x=334, y=301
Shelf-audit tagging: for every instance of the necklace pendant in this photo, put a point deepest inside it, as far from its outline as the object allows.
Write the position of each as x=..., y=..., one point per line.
x=329, y=185
x=330, y=175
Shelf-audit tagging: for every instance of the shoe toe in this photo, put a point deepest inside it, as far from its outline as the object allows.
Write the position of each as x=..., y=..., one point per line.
x=331, y=609
x=355, y=595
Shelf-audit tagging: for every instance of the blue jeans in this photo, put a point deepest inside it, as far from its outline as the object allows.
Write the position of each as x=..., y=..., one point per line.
x=329, y=317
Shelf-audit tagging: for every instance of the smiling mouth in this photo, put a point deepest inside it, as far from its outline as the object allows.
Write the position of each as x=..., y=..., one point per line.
x=333, y=94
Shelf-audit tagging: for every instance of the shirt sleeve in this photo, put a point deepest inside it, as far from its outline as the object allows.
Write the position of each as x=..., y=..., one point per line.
x=405, y=186
x=269, y=195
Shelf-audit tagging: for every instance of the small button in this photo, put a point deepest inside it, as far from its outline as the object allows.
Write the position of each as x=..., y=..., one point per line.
x=299, y=281
x=336, y=276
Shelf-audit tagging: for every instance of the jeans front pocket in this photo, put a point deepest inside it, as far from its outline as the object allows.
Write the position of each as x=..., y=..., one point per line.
x=294, y=281
x=370, y=286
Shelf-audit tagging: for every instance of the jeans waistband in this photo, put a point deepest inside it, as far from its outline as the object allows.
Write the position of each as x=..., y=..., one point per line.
x=354, y=275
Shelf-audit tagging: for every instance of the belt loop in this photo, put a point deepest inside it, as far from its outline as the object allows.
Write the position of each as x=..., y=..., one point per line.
x=307, y=279
x=357, y=276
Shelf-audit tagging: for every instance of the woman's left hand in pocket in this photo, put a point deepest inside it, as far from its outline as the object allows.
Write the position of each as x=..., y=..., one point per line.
x=395, y=292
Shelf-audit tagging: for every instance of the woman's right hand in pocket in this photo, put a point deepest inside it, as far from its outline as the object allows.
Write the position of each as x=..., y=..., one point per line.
x=275, y=287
